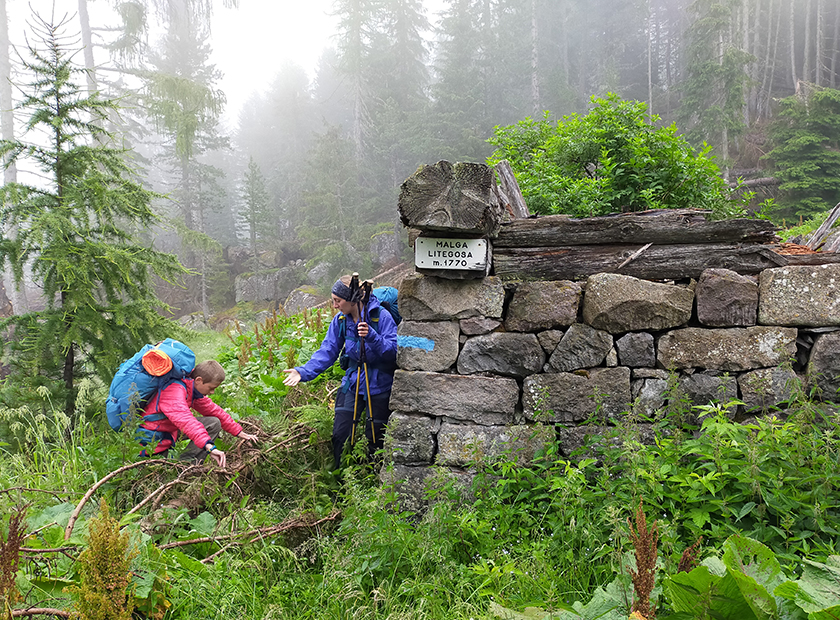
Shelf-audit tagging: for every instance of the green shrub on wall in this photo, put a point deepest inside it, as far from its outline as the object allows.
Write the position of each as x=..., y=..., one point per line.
x=614, y=159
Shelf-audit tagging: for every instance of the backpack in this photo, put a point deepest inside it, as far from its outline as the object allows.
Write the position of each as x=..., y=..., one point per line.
x=150, y=370
x=388, y=298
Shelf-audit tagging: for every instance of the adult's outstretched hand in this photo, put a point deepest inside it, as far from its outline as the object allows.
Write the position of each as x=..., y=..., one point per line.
x=292, y=377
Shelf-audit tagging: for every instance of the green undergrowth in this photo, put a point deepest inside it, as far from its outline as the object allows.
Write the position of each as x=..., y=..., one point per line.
x=492, y=541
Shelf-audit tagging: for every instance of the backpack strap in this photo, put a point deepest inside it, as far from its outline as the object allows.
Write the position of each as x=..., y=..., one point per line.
x=157, y=416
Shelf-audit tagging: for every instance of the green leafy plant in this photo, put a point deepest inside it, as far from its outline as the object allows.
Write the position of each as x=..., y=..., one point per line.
x=611, y=160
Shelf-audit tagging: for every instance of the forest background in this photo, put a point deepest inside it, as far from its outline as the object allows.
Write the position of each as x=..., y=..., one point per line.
x=312, y=168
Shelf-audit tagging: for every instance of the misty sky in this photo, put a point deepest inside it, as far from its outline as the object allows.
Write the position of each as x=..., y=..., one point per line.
x=249, y=43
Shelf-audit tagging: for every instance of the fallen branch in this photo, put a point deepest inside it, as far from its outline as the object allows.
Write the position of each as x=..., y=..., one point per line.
x=257, y=533
x=28, y=490
x=816, y=239
x=73, y=517
x=162, y=489
x=40, y=611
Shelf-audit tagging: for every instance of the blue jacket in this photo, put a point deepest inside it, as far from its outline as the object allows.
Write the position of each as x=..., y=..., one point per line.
x=380, y=351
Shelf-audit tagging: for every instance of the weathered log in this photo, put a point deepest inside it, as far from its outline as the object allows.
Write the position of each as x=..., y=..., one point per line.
x=822, y=232
x=455, y=198
x=659, y=227
x=658, y=262
x=820, y=258
x=762, y=182
x=510, y=190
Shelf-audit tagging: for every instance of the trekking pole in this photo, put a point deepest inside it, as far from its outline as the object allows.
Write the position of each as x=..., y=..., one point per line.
x=363, y=355
x=354, y=289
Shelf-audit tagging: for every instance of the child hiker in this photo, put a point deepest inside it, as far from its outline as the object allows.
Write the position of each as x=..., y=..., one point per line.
x=168, y=413
x=369, y=338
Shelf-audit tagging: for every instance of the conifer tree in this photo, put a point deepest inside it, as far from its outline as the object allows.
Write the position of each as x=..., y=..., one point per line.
x=254, y=213
x=806, y=152
x=74, y=225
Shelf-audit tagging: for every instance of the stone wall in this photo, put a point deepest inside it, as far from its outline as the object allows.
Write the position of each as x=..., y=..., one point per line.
x=488, y=365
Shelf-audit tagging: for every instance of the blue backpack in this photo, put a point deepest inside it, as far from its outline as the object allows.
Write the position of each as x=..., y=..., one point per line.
x=136, y=382
x=388, y=298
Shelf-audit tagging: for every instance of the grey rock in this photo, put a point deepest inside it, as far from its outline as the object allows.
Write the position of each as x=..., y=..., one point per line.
x=468, y=444
x=539, y=306
x=503, y=353
x=572, y=397
x=574, y=440
x=425, y=298
x=636, y=350
x=824, y=366
x=618, y=304
x=767, y=388
x=611, y=361
x=703, y=388
x=430, y=346
x=483, y=400
x=648, y=396
x=581, y=347
x=549, y=339
x=734, y=349
x=478, y=326
x=802, y=296
x=271, y=285
x=410, y=438
x=648, y=373
x=300, y=299
x=726, y=299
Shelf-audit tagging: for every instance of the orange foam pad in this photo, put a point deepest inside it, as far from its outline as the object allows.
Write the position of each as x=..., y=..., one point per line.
x=157, y=363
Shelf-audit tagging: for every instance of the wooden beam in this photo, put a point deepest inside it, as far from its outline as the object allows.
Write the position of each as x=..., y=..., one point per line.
x=657, y=262
x=659, y=227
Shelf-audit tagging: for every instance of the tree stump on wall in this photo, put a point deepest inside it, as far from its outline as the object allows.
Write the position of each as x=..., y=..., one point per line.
x=459, y=199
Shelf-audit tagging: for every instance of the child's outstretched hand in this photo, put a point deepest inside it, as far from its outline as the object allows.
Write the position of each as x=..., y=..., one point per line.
x=247, y=436
x=220, y=458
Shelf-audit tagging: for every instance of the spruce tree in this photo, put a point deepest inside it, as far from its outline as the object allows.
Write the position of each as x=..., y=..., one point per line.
x=254, y=213
x=74, y=226
x=806, y=152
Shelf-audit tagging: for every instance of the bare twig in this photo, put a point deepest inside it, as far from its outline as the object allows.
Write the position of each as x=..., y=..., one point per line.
x=162, y=489
x=28, y=490
x=40, y=611
x=68, y=531
x=635, y=255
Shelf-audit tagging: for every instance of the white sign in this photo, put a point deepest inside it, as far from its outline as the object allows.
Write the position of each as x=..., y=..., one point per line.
x=437, y=253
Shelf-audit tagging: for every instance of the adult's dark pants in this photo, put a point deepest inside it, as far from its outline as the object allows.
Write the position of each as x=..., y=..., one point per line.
x=378, y=412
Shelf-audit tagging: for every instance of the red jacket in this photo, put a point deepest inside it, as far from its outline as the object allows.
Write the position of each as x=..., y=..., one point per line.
x=175, y=403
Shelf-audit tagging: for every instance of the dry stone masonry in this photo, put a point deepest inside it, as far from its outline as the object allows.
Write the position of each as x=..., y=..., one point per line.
x=491, y=365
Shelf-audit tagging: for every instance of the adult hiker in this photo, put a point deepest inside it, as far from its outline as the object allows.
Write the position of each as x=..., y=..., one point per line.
x=369, y=339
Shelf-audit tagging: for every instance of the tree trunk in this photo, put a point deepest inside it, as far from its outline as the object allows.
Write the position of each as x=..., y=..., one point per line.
x=818, y=46
x=660, y=227
x=806, y=48
x=657, y=262
x=835, y=49
x=536, y=105
x=792, y=43
x=87, y=49
x=17, y=295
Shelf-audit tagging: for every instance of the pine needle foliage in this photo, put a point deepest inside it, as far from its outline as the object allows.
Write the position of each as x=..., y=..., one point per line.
x=105, y=592
x=75, y=227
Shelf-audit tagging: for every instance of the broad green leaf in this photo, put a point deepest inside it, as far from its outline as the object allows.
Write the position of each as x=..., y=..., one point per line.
x=204, y=523
x=750, y=557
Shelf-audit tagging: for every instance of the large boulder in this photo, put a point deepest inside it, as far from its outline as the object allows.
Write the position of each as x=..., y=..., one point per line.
x=726, y=299
x=617, y=304
x=572, y=397
x=580, y=347
x=537, y=306
x=735, y=349
x=302, y=298
x=425, y=298
x=410, y=438
x=767, y=388
x=824, y=366
x=429, y=346
x=802, y=296
x=503, y=353
x=636, y=350
x=269, y=285
x=465, y=444
x=482, y=400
